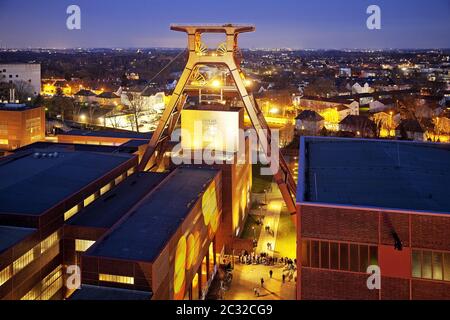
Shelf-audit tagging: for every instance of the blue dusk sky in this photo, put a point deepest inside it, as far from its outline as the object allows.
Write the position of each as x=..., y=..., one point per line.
x=318, y=24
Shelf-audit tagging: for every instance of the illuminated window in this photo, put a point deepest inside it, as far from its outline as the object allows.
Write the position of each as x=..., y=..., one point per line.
x=5, y=275
x=426, y=265
x=46, y=288
x=49, y=242
x=3, y=129
x=195, y=289
x=416, y=264
x=119, y=179
x=105, y=188
x=115, y=278
x=447, y=266
x=89, y=199
x=338, y=256
x=33, y=126
x=4, y=141
x=204, y=279
x=431, y=265
x=131, y=171
x=23, y=261
x=71, y=212
x=437, y=266
x=211, y=259
x=83, y=245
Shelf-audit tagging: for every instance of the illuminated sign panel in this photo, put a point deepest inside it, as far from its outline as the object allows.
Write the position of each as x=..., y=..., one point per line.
x=211, y=129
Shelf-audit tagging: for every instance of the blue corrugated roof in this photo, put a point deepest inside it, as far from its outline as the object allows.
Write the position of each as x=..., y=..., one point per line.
x=375, y=173
x=30, y=185
x=144, y=233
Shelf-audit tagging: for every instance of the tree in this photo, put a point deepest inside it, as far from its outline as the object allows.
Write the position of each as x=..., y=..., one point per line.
x=136, y=107
x=60, y=105
x=321, y=87
x=23, y=90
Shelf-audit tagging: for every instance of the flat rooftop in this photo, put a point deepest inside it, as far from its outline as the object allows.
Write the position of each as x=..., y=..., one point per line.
x=89, y=292
x=107, y=133
x=214, y=107
x=111, y=206
x=123, y=148
x=9, y=236
x=372, y=173
x=143, y=235
x=31, y=185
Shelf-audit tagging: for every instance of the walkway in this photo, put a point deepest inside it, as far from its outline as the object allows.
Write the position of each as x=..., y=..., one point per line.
x=283, y=240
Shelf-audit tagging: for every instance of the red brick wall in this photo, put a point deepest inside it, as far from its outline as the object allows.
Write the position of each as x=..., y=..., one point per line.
x=339, y=224
x=430, y=290
x=329, y=285
x=373, y=227
x=431, y=232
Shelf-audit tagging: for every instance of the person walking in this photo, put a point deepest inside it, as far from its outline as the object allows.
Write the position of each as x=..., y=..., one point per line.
x=270, y=274
x=284, y=278
x=262, y=282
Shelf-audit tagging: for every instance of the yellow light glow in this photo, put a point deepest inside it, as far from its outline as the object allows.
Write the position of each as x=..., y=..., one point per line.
x=216, y=83
x=82, y=117
x=274, y=110
x=180, y=271
x=247, y=83
x=274, y=206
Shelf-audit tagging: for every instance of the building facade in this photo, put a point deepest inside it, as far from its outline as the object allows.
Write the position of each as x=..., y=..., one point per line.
x=29, y=73
x=20, y=125
x=360, y=217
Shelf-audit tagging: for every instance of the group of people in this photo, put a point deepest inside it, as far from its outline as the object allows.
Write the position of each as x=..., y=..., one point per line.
x=254, y=258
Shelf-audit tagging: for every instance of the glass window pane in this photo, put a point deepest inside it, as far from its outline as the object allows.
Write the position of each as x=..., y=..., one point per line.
x=354, y=258
x=305, y=253
x=437, y=266
x=324, y=255
x=373, y=255
x=416, y=263
x=447, y=266
x=426, y=264
x=363, y=258
x=343, y=256
x=314, y=254
x=334, y=255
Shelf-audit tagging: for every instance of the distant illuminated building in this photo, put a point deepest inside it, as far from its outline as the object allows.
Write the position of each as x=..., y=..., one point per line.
x=20, y=125
x=28, y=73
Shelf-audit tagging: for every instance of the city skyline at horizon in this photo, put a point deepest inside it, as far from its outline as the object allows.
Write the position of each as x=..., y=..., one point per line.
x=327, y=25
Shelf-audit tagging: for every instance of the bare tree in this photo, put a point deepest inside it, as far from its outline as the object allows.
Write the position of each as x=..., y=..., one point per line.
x=136, y=107
x=24, y=90
x=61, y=104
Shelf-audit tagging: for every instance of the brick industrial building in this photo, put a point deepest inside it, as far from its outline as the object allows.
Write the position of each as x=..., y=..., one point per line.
x=20, y=125
x=134, y=235
x=368, y=202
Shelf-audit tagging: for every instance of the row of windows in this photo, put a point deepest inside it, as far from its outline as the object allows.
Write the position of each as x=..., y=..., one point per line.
x=431, y=265
x=338, y=255
x=83, y=245
x=46, y=288
x=5, y=275
x=115, y=278
x=29, y=257
x=74, y=210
